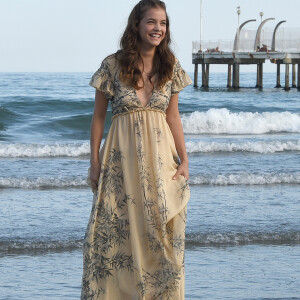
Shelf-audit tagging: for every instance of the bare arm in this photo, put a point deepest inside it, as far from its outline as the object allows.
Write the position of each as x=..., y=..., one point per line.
x=174, y=121
x=97, y=129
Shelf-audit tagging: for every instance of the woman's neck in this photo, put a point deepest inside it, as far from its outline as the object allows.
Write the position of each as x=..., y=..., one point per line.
x=147, y=56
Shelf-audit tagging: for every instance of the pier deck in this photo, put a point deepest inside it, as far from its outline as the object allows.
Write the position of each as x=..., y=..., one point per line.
x=235, y=59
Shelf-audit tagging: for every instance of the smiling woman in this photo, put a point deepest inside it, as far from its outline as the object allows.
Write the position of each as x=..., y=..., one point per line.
x=134, y=242
x=152, y=30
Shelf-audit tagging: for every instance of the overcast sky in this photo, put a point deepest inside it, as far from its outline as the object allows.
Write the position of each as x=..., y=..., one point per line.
x=75, y=35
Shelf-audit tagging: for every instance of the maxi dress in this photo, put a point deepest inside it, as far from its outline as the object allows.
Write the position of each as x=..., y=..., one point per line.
x=133, y=248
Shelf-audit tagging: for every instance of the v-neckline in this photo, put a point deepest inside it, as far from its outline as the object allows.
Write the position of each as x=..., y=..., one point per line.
x=140, y=102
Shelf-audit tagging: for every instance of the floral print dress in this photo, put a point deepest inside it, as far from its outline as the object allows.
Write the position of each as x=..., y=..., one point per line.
x=133, y=247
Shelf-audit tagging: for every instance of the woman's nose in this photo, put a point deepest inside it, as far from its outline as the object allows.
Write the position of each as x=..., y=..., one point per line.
x=157, y=26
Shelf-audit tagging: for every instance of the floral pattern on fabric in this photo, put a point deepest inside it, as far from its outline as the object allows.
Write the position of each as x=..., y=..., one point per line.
x=133, y=246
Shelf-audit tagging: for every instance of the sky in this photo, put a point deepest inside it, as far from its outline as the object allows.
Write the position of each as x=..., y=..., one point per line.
x=76, y=35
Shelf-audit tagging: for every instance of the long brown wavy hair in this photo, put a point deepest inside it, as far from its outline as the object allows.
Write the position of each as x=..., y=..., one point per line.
x=129, y=56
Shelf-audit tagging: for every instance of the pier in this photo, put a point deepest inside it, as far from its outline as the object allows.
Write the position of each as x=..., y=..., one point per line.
x=252, y=50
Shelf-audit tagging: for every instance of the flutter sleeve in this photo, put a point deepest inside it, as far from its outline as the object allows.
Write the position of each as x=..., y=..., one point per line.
x=102, y=80
x=180, y=79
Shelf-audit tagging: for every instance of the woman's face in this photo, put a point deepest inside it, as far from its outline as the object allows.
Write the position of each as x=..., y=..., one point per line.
x=152, y=27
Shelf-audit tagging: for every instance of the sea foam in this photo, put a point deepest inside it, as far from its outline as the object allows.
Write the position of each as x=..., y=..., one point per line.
x=244, y=178
x=222, y=121
x=44, y=150
x=241, y=178
x=250, y=146
x=241, y=238
x=192, y=239
x=83, y=149
x=43, y=183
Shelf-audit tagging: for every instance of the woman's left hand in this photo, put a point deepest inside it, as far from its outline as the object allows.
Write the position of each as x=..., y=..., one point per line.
x=183, y=169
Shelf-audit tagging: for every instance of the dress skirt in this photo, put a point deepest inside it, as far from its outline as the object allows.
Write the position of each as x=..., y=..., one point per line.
x=133, y=247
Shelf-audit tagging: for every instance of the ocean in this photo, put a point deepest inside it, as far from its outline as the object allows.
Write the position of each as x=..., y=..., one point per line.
x=243, y=225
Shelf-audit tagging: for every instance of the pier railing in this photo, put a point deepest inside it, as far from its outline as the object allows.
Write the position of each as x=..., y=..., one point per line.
x=287, y=40
x=225, y=45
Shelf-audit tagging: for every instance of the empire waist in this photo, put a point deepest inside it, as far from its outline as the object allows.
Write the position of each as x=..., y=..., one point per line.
x=134, y=110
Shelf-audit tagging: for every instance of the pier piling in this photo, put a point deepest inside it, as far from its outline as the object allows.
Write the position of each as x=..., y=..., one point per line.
x=287, y=77
x=236, y=76
x=205, y=75
x=293, y=75
x=196, y=75
x=278, y=85
x=298, y=83
x=229, y=76
x=259, y=76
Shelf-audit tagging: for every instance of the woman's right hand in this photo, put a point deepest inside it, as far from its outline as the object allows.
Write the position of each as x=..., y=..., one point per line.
x=94, y=176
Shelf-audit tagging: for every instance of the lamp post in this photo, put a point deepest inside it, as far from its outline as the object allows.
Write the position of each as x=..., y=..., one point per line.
x=200, y=25
x=261, y=15
x=238, y=11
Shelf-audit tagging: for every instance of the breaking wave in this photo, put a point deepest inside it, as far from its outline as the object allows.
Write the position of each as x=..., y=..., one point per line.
x=222, y=121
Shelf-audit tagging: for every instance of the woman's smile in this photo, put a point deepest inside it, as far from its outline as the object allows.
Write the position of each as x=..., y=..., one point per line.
x=155, y=36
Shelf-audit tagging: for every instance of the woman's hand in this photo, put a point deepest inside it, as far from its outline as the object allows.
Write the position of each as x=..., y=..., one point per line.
x=94, y=176
x=183, y=169
x=174, y=122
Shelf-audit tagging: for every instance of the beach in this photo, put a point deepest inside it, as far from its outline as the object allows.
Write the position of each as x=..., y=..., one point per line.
x=243, y=227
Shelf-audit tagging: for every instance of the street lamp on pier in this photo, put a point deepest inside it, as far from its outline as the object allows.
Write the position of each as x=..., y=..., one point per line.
x=238, y=11
x=200, y=25
x=261, y=16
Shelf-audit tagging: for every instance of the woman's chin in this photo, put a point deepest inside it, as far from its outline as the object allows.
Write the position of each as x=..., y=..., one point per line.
x=154, y=43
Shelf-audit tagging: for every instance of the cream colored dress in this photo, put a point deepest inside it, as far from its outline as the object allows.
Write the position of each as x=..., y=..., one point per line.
x=134, y=242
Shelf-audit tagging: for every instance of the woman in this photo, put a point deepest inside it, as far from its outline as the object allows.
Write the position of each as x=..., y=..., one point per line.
x=134, y=242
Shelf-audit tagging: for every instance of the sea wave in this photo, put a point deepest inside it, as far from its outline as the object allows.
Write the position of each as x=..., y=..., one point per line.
x=259, y=146
x=210, y=239
x=83, y=148
x=21, y=247
x=222, y=121
x=245, y=178
x=45, y=150
x=241, y=238
x=6, y=117
x=34, y=103
x=72, y=123
x=43, y=183
x=242, y=178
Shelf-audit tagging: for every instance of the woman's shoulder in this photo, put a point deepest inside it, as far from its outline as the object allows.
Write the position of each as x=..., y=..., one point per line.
x=110, y=58
x=177, y=66
x=181, y=79
x=110, y=61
